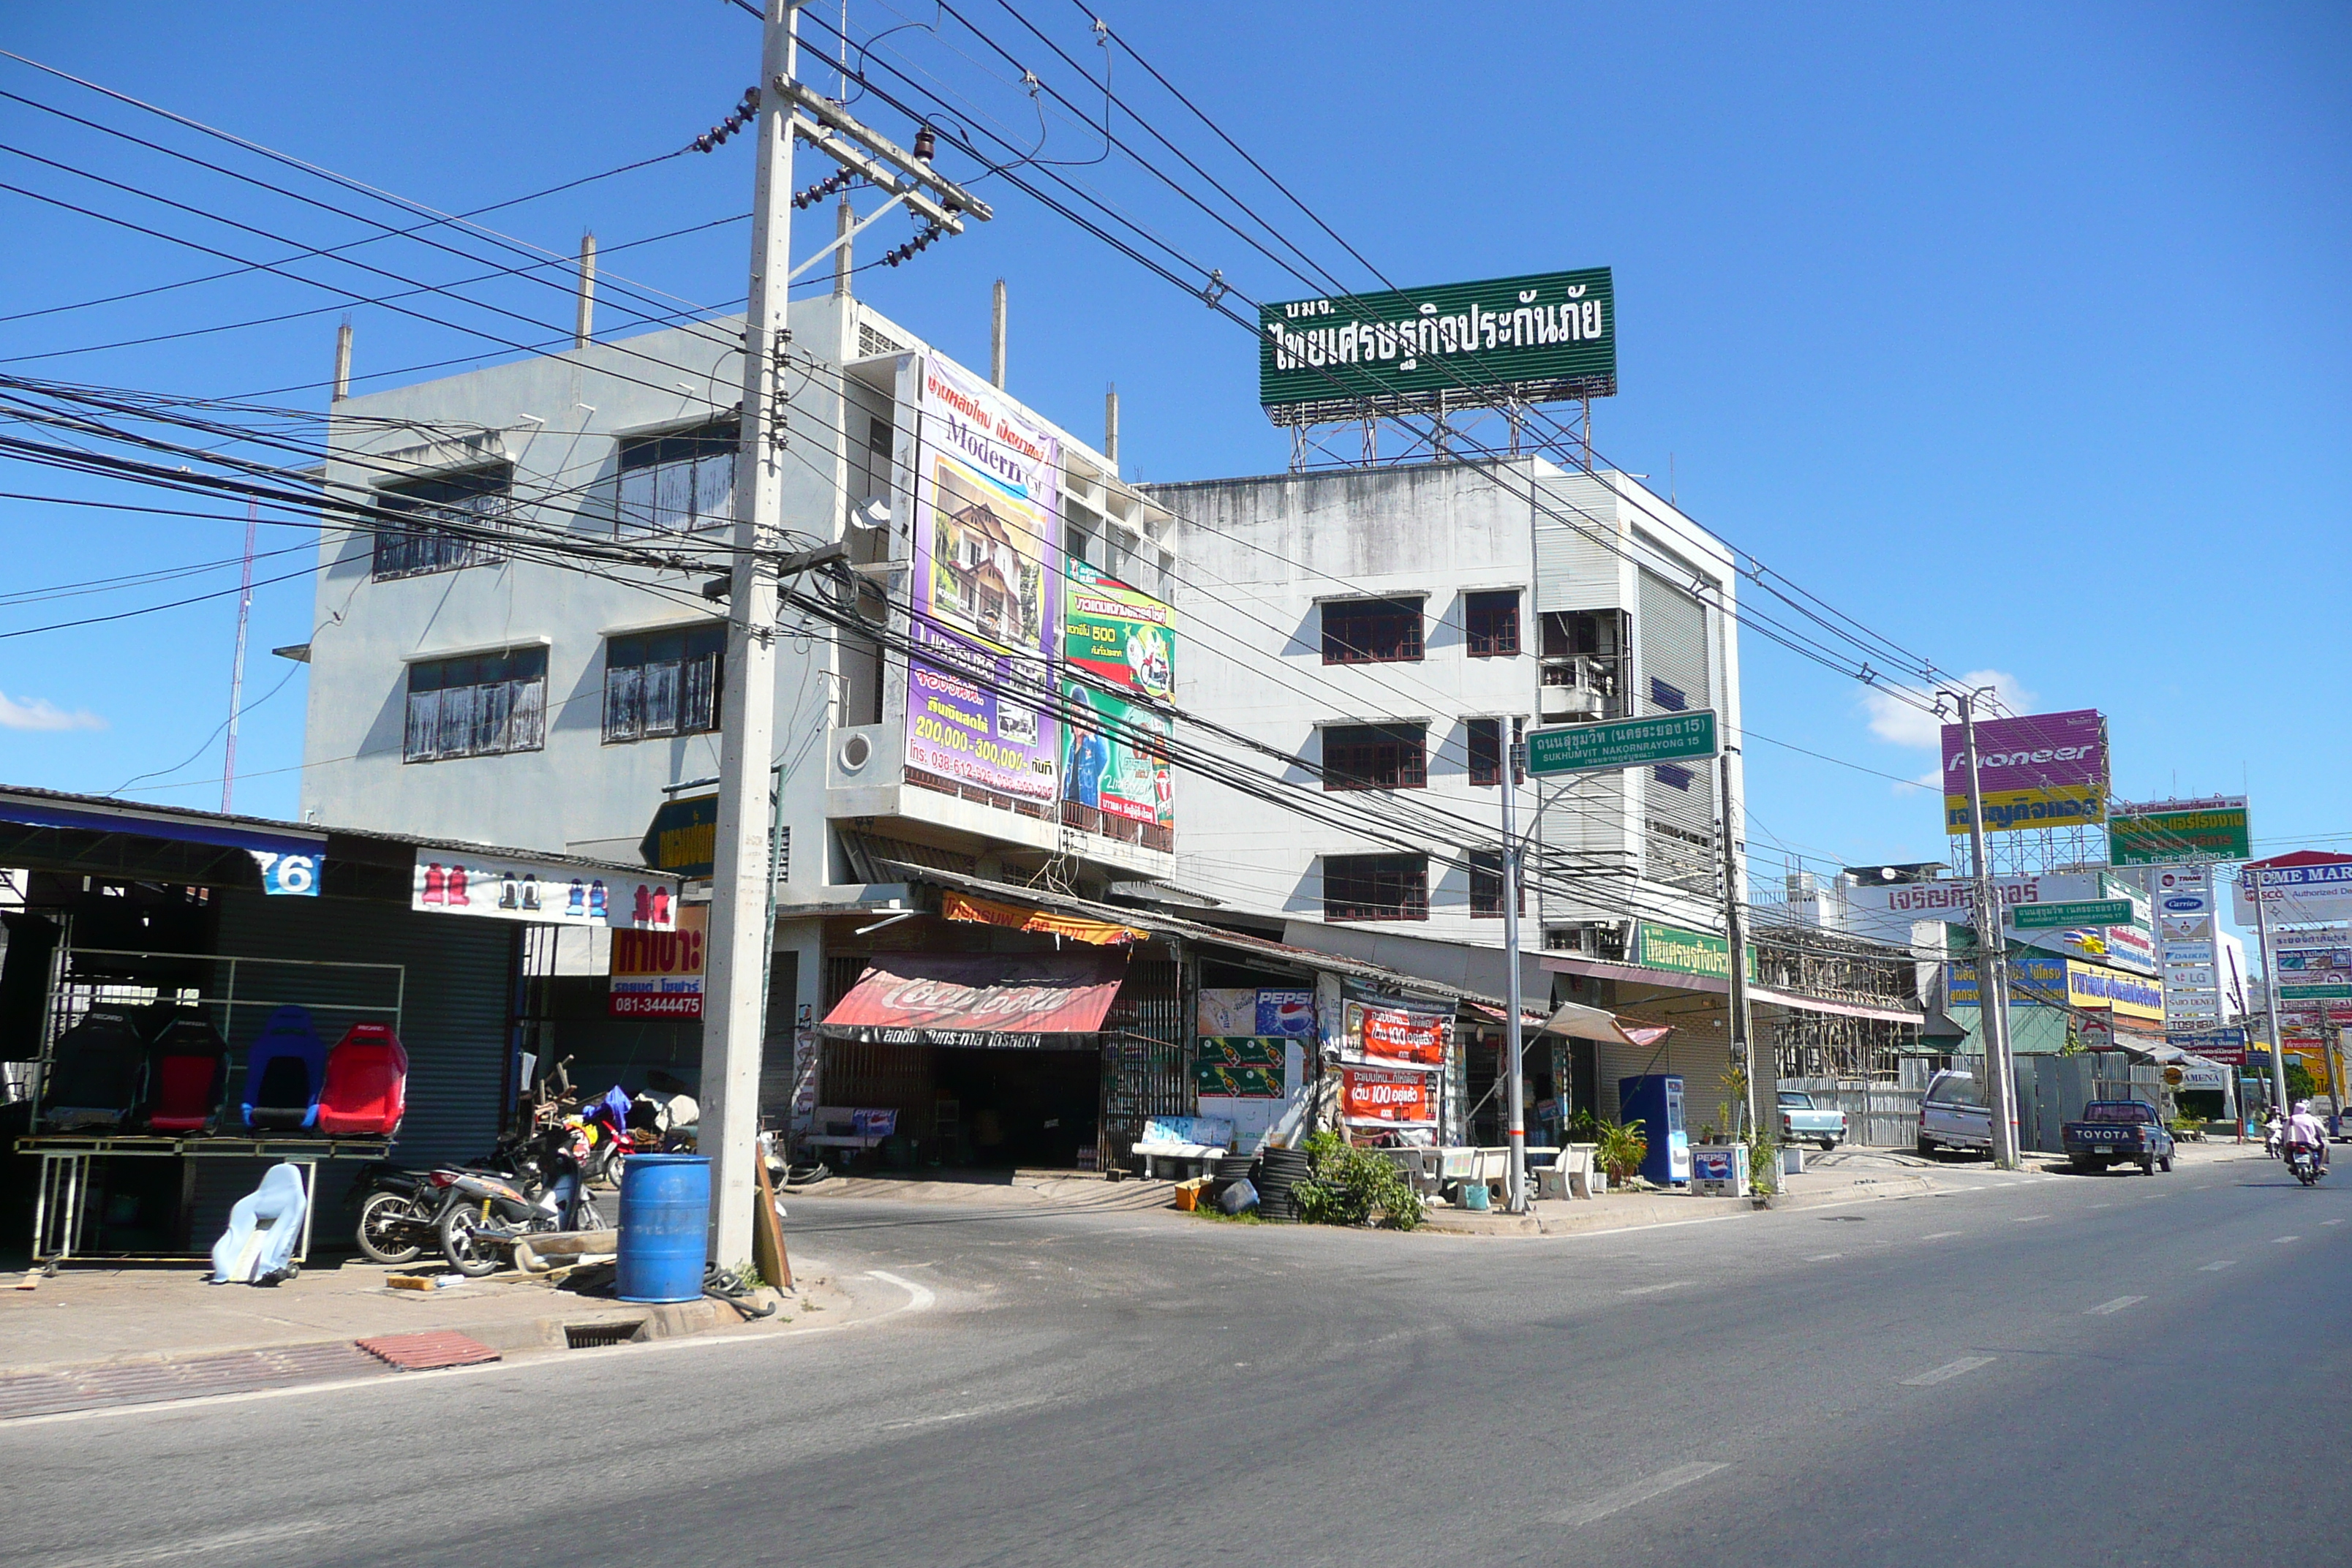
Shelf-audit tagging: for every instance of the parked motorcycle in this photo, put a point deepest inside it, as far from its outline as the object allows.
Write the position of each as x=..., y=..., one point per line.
x=400, y=1210
x=483, y=1215
x=2303, y=1161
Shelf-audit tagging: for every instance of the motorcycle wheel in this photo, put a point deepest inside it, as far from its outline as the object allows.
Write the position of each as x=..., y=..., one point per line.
x=586, y=1215
x=469, y=1253
x=385, y=1220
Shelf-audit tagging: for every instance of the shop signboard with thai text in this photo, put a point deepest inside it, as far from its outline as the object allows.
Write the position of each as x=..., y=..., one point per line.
x=1387, y=1096
x=2046, y=769
x=1393, y=1033
x=1118, y=649
x=658, y=973
x=2176, y=832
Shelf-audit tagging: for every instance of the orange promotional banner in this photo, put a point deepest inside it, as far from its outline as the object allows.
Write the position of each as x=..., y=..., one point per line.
x=1388, y=1097
x=1413, y=1036
x=988, y=911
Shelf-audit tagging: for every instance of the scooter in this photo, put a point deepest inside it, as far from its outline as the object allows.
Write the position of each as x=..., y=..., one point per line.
x=400, y=1210
x=483, y=1215
x=2303, y=1161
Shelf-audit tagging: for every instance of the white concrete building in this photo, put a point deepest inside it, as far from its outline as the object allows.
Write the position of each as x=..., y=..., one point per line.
x=1392, y=628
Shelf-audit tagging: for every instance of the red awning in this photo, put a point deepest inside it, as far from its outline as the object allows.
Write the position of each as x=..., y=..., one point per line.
x=1002, y=1000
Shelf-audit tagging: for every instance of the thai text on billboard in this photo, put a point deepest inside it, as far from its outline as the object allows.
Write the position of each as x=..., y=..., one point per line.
x=2046, y=769
x=1119, y=648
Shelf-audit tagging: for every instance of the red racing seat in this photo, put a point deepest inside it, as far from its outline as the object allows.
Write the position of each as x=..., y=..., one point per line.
x=187, y=1076
x=366, y=1088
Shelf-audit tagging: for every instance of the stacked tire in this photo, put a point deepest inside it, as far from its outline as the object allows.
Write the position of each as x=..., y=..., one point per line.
x=1279, y=1171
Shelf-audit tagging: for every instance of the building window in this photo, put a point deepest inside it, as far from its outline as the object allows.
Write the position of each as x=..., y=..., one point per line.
x=1375, y=887
x=1486, y=751
x=1375, y=756
x=477, y=707
x=664, y=683
x=437, y=525
x=1486, y=885
x=679, y=483
x=1672, y=699
x=1371, y=631
x=1491, y=623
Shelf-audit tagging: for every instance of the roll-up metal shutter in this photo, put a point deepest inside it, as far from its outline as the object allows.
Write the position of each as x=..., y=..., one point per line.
x=1678, y=817
x=456, y=1018
x=1578, y=566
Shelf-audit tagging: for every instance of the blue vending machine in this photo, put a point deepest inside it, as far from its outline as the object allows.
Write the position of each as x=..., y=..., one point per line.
x=1655, y=1100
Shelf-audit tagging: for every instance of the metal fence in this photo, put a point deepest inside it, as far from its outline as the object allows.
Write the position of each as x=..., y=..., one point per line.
x=1878, y=1115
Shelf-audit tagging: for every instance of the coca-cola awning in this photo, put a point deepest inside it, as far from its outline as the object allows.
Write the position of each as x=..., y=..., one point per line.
x=988, y=1000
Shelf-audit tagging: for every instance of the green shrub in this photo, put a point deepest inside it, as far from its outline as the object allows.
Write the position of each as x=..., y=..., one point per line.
x=1623, y=1150
x=1347, y=1185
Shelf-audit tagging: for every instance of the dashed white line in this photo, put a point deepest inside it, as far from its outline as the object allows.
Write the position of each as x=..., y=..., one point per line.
x=2094, y=1206
x=1640, y=1491
x=2217, y=1268
x=234, y=1540
x=2107, y=1309
x=1654, y=1289
x=1941, y=1235
x=2026, y=1218
x=2276, y=1239
x=1950, y=1370
x=2331, y=1222
x=1822, y=1257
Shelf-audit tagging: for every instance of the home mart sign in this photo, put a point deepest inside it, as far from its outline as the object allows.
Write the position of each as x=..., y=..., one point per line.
x=1685, y=951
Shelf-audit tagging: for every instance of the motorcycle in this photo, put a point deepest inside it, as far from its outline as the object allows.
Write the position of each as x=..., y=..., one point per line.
x=2274, y=1132
x=2303, y=1161
x=400, y=1210
x=483, y=1215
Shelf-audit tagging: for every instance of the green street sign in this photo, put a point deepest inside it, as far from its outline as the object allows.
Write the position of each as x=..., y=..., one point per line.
x=2312, y=992
x=1623, y=743
x=2082, y=912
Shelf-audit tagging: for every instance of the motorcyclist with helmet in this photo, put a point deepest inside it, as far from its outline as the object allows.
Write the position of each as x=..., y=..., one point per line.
x=2304, y=1130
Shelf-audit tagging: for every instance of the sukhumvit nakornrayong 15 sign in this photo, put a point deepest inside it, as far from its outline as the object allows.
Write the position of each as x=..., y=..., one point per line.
x=2046, y=769
x=1543, y=338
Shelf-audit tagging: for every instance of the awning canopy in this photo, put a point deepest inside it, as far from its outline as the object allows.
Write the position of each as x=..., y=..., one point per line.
x=1579, y=1022
x=1758, y=996
x=996, y=1001
x=958, y=906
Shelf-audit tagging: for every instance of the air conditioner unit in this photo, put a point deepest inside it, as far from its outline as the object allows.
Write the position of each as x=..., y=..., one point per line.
x=1568, y=704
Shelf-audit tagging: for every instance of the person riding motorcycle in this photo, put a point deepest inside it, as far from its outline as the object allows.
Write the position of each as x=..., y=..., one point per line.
x=2304, y=1130
x=2273, y=1131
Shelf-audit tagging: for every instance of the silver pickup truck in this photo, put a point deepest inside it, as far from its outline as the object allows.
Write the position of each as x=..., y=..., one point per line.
x=1953, y=1115
x=1801, y=1121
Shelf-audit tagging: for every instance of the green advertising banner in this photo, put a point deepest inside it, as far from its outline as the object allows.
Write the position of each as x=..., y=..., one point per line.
x=1684, y=951
x=1124, y=640
x=2169, y=835
x=1250, y=1066
x=1546, y=337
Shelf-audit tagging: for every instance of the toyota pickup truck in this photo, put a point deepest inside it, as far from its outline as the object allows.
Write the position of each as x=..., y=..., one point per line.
x=1801, y=1121
x=2112, y=1130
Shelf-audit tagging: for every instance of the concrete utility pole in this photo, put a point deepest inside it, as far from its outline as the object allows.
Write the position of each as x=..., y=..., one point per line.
x=996, y=340
x=2269, y=989
x=1513, y=1047
x=1763, y=1088
x=1110, y=426
x=732, y=1028
x=342, y=382
x=1992, y=963
x=584, y=329
x=845, y=223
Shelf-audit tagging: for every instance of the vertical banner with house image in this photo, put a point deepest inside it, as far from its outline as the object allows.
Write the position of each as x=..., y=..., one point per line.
x=1118, y=649
x=985, y=598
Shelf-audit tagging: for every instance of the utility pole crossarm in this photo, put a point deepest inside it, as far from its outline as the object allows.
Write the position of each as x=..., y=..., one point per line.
x=833, y=130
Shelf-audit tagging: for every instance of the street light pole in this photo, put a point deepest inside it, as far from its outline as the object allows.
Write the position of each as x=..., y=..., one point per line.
x=1992, y=962
x=733, y=1027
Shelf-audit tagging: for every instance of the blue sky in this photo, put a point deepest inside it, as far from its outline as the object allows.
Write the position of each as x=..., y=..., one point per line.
x=2020, y=333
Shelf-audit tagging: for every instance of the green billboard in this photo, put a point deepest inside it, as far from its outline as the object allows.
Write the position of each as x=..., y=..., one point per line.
x=2181, y=832
x=1543, y=338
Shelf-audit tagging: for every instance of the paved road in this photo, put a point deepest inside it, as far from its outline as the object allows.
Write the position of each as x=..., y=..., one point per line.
x=2067, y=1370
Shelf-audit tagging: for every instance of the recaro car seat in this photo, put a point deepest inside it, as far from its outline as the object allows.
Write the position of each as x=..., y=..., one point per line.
x=97, y=1072
x=366, y=1087
x=283, y=1072
x=264, y=1227
x=187, y=1075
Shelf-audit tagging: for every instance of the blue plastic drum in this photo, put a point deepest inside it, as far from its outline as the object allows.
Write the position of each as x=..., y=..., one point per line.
x=665, y=1226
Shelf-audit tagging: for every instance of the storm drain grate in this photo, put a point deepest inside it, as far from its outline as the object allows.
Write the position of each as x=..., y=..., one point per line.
x=592, y=1336
x=423, y=1352
x=104, y=1385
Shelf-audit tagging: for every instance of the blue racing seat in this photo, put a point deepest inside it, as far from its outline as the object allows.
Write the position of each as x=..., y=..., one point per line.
x=284, y=1073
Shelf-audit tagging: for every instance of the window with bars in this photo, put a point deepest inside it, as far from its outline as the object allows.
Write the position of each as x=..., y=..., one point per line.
x=437, y=524
x=1371, y=631
x=1376, y=887
x=1375, y=756
x=683, y=482
x=1486, y=885
x=1490, y=623
x=480, y=706
x=663, y=683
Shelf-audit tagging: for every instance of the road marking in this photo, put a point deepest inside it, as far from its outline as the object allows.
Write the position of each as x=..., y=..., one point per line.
x=1950, y=1370
x=1623, y=1498
x=234, y=1539
x=2106, y=1308
x=919, y=1297
x=1822, y=1256
x=2331, y=1222
x=2102, y=1206
x=1654, y=1289
x=1939, y=1234
x=2280, y=1238
x=2026, y=1218
x=2217, y=1268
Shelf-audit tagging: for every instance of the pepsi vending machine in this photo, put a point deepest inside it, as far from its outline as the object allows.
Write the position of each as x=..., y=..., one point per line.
x=1655, y=1100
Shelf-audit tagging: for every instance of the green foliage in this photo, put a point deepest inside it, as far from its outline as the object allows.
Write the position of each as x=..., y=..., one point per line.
x=2300, y=1084
x=1347, y=1185
x=1764, y=1163
x=1583, y=1127
x=1623, y=1150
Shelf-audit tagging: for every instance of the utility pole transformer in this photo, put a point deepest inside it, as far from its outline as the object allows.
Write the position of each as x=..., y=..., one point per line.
x=1992, y=964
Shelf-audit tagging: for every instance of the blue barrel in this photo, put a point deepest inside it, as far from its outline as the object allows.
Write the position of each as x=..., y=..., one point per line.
x=665, y=1226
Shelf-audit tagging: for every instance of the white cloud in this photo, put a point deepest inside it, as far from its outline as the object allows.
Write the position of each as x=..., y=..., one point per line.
x=40, y=713
x=1897, y=714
